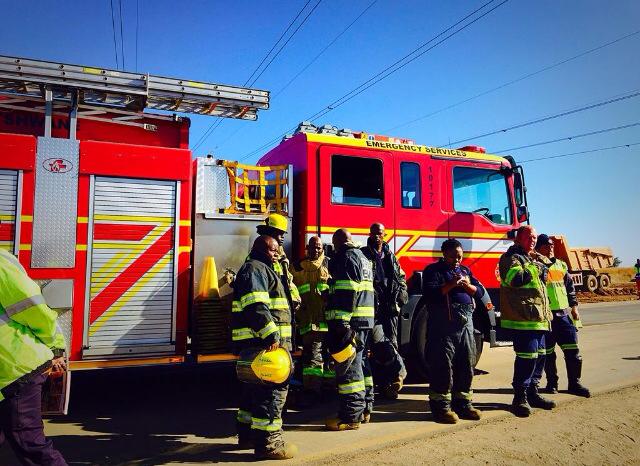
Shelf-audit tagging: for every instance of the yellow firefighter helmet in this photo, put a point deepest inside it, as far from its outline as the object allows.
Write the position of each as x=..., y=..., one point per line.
x=277, y=221
x=256, y=365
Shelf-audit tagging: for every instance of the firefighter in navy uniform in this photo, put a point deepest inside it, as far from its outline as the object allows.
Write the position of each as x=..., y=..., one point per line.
x=564, y=307
x=449, y=289
x=31, y=344
x=390, y=292
x=275, y=226
x=349, y=314
x=525, y=311
x=261, y=318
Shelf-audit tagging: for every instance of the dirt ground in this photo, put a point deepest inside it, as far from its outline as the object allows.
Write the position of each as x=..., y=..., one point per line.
x=602, y=430
x=617, y=292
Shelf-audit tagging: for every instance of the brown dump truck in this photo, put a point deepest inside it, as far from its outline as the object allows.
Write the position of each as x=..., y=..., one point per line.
x=585, y=264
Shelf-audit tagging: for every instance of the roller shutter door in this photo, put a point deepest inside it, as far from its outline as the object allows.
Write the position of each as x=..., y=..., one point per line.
x=8, y=206
x=132, y=264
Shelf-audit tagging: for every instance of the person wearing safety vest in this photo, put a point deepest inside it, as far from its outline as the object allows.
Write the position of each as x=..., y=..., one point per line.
x=31, y=345
x=636, y=268
x=449, y=289
x=390, y=293
x=349, y=314
x=312, y=283
x=524, y=308
x=276, y=226
x=564, y=306
x=261, y=318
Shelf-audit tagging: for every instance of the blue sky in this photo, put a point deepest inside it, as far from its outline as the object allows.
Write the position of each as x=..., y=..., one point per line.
x=592, y=198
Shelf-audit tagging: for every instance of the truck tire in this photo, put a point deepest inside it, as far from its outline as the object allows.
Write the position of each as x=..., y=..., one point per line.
x=417, y=366
x=590, y=283
x=604, y=281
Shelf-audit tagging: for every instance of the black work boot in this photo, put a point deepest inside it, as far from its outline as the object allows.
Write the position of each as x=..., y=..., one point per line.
x=465, y=409
x=574, y=371
x=551, y=371
x=536, y=400
x=520, y=405
x=441, y=412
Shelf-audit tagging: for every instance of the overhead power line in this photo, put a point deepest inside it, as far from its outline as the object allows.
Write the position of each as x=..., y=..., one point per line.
x=569, y=138
x=251, y=80
x=549, y=117
x=313, y=60
x=113, y=30
x=277, y=42
x=404, y=61
x=581, y=152
x=326, y=47
x=517, y=80
x=396, y=66
x=286, y=42
x=121, y=37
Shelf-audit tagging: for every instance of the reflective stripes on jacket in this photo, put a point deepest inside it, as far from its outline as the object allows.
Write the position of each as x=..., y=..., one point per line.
x=260, y=311
x=28, y=330
x=313, y=294
x=523, y=296
x=560, y=287
x=351, y=297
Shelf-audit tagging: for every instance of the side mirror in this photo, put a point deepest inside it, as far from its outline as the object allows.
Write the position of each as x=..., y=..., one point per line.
x=522, y=213
x=518, y=188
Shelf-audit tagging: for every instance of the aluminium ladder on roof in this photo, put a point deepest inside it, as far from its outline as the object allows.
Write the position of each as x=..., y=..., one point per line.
x=133, y=92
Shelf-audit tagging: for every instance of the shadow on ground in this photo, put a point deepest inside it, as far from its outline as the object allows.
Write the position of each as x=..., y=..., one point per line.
x=159, y=415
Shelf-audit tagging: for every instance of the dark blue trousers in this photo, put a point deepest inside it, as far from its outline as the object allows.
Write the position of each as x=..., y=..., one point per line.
x=530, y=352
x=355, y=383
x=564, y=333
x=21, y=423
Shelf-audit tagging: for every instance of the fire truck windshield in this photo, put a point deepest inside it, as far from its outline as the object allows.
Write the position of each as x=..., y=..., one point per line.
x=481, y=191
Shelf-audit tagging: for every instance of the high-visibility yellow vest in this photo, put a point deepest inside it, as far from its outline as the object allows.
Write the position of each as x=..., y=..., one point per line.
x=28, y=330
x=556, y=289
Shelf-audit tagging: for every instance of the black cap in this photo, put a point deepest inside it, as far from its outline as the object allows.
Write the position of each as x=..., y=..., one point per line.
x=543, y=240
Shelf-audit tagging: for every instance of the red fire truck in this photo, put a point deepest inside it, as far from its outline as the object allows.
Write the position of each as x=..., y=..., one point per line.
x=132, y=239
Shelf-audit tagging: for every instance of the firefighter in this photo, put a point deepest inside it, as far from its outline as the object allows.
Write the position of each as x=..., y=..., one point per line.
x=312, y=283
x=390, y=293
x=525, y=311
x=564, y=307
x=349, y=314
x=275, y=226
x=261, y=318
x=449, y=289
x=32, y=346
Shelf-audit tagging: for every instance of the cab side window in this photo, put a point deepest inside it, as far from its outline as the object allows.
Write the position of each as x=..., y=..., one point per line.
x=410, y=185
x=481, y=191
x=356, y=181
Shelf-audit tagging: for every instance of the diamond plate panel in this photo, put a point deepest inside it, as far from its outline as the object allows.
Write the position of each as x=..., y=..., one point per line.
x=212, y=187
x=64, y=322
x=55, y=203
